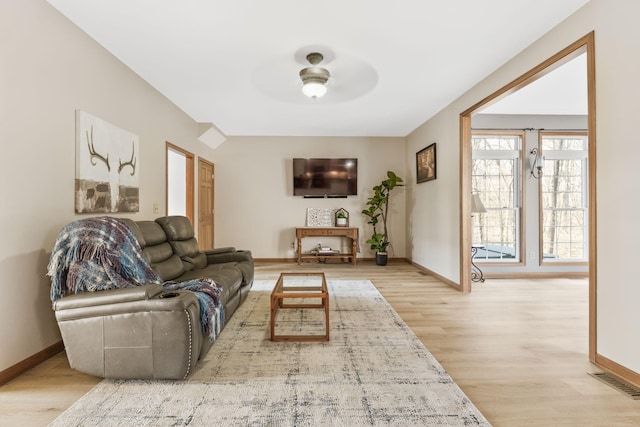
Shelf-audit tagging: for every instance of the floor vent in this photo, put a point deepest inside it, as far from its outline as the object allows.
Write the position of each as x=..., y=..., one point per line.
x=624, y=388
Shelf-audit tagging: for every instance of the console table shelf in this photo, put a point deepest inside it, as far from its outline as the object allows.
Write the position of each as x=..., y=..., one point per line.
x=348, y=232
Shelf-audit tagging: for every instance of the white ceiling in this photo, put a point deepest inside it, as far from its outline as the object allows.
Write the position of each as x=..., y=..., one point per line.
x=562, y=91
x=393, y=64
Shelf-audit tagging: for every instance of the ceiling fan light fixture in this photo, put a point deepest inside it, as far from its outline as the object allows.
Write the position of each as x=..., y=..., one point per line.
x=314, y=88
x=314, y=78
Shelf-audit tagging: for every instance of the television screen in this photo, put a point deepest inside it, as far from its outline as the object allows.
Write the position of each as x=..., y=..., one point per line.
x=325, y=177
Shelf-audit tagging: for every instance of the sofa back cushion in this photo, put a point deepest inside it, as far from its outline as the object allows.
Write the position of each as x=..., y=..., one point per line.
x=158, y=251
x=136, y=231
x=180, y=235
x=176, y=227
x=152, y=232
x=188, y=252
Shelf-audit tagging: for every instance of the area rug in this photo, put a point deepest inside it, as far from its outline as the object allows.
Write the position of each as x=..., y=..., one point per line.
x=373, y=372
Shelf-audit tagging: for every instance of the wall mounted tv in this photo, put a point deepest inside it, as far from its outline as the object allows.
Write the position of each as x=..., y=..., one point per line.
x=325, y=177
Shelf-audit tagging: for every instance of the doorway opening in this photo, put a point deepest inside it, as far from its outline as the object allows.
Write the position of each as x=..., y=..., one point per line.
x=580, y=47
x=179, y=181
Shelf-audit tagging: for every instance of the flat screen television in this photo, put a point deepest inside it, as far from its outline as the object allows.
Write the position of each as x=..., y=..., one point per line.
x=325, y=177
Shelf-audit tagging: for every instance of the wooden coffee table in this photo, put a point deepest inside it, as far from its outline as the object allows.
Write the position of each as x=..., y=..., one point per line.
x=302, y=287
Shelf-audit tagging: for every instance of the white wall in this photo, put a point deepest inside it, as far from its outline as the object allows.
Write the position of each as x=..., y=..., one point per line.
x=434, y=231
x=254, y=202
x=50, y=69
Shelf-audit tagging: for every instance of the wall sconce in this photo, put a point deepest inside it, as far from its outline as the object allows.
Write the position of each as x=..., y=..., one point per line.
x=536, y=160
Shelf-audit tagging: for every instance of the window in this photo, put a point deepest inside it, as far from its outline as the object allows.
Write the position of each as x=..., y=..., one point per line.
x=563, y=188
x=495, y=177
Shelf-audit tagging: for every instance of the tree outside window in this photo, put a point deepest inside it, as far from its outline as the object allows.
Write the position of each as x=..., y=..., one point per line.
x=495, y=177
x=564, y=197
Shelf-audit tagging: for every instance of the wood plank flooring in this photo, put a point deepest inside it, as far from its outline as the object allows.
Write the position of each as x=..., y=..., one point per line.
x=517, y=348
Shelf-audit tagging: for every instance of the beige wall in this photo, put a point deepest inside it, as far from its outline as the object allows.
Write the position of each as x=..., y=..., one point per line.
x=434, y=240
x=255, y=206
x=432, y=209
x=50, y=69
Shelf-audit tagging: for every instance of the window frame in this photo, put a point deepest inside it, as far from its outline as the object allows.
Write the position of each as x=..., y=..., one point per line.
x=565, y=155
x=519, y=195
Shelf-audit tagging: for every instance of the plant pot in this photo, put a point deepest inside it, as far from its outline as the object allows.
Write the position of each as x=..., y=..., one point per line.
x=381, y=258
x=341, y=222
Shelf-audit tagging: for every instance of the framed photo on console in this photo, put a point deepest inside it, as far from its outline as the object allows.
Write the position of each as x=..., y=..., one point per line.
x=426, y=163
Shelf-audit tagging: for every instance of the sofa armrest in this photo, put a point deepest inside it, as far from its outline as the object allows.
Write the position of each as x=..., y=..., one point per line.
x=159, y=337
x=165, y=301
x=219, y=250
x=229, y=256
x=111, y=296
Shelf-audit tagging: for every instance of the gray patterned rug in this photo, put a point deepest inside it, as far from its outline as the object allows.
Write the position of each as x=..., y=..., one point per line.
x=373, y=372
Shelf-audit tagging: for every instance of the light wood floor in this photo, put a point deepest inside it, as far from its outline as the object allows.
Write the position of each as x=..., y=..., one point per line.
x=517, y=348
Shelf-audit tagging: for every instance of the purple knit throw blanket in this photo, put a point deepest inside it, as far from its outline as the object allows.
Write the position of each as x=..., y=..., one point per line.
x=102, y=253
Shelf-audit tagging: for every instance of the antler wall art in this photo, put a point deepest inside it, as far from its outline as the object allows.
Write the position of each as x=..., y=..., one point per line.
x=101, y=186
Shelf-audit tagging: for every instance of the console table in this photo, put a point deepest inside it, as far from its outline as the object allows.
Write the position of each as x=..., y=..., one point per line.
x=348, y=232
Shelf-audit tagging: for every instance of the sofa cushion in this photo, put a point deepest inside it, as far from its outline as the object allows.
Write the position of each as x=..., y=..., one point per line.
x=136, y=231
x=188, y=251
x=169, y=269
x=229, y=279
x=180, y=235
x=196, y=262
x=153, y=233
x=176, y=227
x=225, y=270
x=247, y=270
x=186, y=248
x=158, y=253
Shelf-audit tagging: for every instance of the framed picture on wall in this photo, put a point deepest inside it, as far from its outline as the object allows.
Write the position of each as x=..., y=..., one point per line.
x=106, y=167
x=426, y=163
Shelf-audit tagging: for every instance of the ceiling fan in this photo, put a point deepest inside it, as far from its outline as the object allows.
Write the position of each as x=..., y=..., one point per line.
x=314, y=78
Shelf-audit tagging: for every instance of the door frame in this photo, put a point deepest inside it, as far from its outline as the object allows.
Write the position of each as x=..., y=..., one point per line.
x=584, y=45
x=213, y=191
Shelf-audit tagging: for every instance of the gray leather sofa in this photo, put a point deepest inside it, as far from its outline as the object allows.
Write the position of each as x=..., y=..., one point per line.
x=147, y=332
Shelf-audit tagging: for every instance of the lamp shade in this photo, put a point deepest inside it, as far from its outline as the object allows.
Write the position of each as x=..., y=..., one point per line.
x=476, y=204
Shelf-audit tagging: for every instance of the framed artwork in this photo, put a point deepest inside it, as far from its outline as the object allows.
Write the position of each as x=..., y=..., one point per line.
x=106, y=167
x=325, y=217
x=426, y=163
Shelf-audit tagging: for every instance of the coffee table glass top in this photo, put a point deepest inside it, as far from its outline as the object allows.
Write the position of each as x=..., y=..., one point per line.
x=289, y=283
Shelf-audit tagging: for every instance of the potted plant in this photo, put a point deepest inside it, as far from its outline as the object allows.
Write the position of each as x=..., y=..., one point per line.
x=377, y=211
x=341, y=219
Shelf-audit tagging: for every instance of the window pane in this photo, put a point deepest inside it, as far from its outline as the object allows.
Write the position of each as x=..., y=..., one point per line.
x=498, y=142
x=564, y=203
x=564, y=142
x=495, y=178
